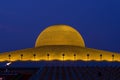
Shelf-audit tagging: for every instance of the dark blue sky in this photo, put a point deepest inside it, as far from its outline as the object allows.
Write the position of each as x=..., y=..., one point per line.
x=21, y=21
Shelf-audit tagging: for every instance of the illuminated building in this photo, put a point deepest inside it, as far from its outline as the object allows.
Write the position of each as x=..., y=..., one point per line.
x=59, y=42
x=59, y=54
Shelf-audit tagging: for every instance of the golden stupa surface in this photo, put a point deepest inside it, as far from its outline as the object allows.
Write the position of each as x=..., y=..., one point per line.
x=60, y=35
x=59, y=42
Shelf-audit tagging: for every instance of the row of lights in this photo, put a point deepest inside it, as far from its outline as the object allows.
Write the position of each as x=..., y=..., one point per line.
x=88, y=55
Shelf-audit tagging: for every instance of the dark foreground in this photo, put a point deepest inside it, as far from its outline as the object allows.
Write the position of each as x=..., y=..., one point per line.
x=46, y=71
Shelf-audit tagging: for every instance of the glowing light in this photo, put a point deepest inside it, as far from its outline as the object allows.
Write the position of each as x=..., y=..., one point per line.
x=8, y=64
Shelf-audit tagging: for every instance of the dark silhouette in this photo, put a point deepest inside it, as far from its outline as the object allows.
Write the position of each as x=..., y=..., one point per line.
x=74, y=56
x=100, y=56
x=88, y=56
x=113, y=56
x=21, y=56
x=48, y=56
x=63, y=56
x=34, y=56
x=9, y=56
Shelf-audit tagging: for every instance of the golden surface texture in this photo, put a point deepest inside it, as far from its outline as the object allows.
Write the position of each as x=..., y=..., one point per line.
x=60, y=35
x=72, y=53
x=59, y=42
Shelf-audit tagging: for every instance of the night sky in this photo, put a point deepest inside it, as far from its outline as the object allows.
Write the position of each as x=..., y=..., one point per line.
x=21, y=21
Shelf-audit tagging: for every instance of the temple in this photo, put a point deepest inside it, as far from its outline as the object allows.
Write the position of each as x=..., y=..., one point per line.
x=62, y=43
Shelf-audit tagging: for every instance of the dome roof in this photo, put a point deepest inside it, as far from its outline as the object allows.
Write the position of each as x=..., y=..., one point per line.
x=60, y=35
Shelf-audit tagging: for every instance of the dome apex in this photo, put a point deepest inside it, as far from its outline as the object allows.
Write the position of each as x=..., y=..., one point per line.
x=60, y=35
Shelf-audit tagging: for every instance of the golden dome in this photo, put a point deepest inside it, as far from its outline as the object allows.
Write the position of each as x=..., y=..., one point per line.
x=62, y=39
x=60, y=35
